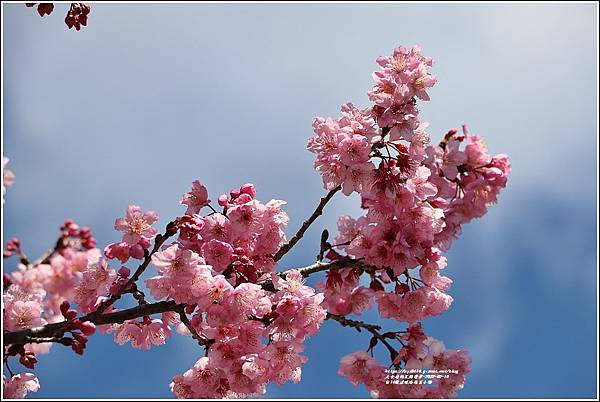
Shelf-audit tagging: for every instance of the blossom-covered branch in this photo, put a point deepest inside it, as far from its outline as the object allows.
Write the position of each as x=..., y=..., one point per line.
x=216, y=277
x=159, y=240
x=56, y=330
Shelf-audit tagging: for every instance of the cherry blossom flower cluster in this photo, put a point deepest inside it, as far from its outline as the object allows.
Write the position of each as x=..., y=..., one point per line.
x=421, y=352
x=23, y=309
x=60, y=276
x=248, y=353
x=216, y=267
x=416, y=195
x=241, y=241
x=142, y=334
x=76, y=16
x=37, y=293
x=96, y=280
x=56, y=277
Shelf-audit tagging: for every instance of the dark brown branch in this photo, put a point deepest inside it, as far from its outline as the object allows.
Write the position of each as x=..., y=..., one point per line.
x=347, y=322
x=54, y=339
x=22, y=257
x=45, y=258
x=318, y=211
x=117, y=317
x=358, y=325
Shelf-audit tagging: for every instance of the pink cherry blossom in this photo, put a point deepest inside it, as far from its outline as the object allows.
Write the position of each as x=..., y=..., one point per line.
x=360, y=299
x=359, y=367
x=23, y=314
x=195, y=199
x=17, y=386
x=354, y=149
x=360, y=121
x=176, y=263
x=123, y=251
x=95, y=281
x=420, y=186
x=137, y=225
x=142, y=335
x=190, y=227
x=217, y=254
x=245, y=219
x=216, y=226
x=213, y=290
x=357, y=177
x=292, y=285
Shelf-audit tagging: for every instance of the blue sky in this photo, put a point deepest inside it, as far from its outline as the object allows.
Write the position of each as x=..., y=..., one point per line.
x=148, y=98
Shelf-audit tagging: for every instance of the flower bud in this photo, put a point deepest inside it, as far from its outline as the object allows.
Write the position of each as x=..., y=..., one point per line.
x=223, y=201
x=243, y=198
x=64, y=307
x=124, y=272
x=87, y=328
x=249, y=189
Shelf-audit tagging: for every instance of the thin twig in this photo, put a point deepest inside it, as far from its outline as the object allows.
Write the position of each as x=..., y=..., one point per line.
x=358, y=325
x=45, y=258
x=212, y=209
x=8, y=367
x=318, y=211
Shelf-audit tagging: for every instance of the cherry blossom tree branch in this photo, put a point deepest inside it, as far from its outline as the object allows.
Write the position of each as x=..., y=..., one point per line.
x=54, y=339
x=50, y=332
x=45, y=258
x=359, y=325
x=118, y=317
x=317, y=212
